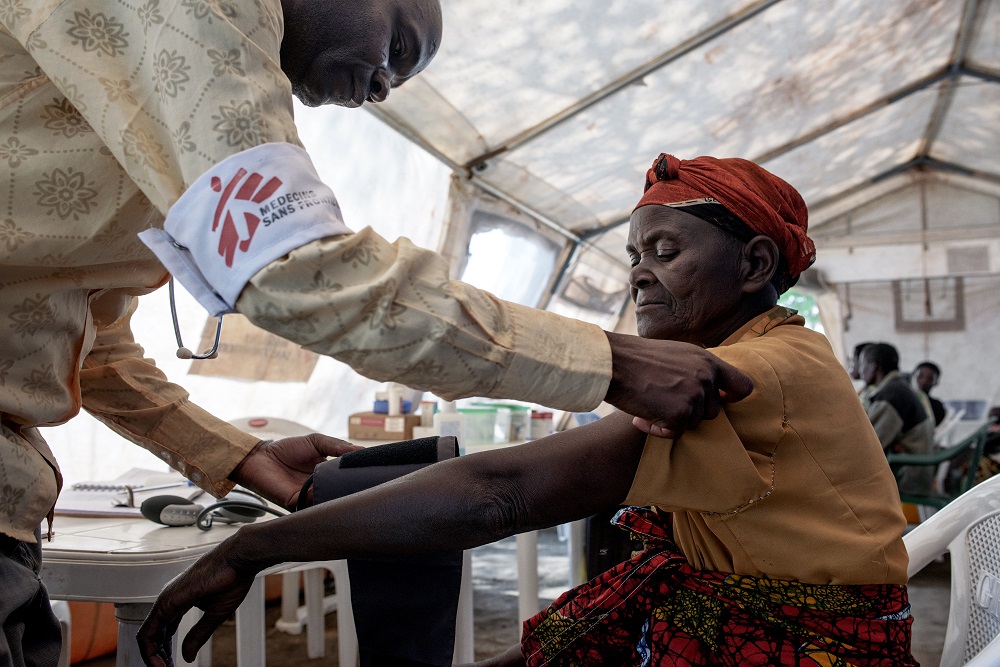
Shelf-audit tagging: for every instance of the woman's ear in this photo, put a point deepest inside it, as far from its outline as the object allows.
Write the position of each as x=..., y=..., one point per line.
x=761, y=261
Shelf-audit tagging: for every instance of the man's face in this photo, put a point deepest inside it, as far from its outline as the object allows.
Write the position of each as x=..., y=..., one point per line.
x=925, y=379
x=855, y=370
x=348, y=52
x=869, y=369
x=685, y=280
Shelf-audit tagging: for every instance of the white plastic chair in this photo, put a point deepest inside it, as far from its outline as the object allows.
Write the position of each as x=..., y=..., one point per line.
x=968, y=528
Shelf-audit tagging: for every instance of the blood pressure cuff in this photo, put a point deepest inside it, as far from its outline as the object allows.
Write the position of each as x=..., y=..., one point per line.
x=404, y=607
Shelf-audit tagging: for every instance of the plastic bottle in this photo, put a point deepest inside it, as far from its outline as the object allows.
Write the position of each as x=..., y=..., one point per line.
x=541, y=424
x=395, y=396
x=449, y=421
x=427, y=411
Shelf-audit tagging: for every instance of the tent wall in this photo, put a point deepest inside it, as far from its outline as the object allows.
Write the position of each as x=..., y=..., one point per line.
x=968, y=356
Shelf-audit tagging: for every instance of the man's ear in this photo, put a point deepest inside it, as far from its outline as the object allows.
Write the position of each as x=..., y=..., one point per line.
x=760, y=255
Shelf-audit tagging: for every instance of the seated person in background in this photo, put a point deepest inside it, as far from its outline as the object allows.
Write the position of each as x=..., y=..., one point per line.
x=925, y=378
x=898, y=415
x=773, y=533
x=989, y=465
x=855, y=372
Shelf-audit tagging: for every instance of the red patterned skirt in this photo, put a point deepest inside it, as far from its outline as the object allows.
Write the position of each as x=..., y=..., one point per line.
x=656, y=611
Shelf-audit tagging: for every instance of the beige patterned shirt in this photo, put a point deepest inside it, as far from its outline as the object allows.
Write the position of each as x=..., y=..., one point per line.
x=109, y=109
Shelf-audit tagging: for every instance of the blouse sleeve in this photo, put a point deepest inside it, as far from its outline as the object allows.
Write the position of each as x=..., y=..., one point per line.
x=725, y=464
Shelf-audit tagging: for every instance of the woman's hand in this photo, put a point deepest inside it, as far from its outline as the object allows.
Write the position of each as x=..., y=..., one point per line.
x=216, y=584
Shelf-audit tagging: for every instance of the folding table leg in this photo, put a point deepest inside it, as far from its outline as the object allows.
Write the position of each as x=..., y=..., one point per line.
x=130, y=616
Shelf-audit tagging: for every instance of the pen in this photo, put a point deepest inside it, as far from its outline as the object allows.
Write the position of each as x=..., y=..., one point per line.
x=172, y=485
x=131, y=490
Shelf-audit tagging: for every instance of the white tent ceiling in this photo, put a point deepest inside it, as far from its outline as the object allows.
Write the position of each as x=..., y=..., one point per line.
x=558, y=106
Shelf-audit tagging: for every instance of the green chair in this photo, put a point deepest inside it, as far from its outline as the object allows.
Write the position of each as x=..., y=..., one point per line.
x=956, y=468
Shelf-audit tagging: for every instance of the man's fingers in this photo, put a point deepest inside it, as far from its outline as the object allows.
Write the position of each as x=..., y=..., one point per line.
x=658, y=429
x=734, y=385
x=328, y=446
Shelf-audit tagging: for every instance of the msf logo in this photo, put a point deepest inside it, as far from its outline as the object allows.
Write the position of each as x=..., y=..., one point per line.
x=242, y=199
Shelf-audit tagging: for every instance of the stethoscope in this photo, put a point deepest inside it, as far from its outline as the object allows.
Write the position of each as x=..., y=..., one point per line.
x=186, y=353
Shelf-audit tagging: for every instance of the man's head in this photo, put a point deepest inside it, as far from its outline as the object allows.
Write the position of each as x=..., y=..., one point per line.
x=347, y=52
x=926, y=376
x=855, y=369
x=877, y=361
x=700, y=270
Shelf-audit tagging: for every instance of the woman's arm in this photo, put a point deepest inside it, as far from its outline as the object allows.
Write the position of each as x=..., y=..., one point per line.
x=456, y=504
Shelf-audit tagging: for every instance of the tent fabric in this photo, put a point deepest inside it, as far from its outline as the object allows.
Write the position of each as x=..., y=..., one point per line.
x=561, y=106
x=882, y=114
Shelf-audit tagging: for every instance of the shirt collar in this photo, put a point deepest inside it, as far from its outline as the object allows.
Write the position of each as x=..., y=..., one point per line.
x=761, y=324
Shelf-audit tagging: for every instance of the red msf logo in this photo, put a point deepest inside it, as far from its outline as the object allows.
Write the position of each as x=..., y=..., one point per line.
x=239, y=234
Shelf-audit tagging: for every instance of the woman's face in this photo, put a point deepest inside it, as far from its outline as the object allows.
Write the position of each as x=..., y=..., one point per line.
x=685, y=280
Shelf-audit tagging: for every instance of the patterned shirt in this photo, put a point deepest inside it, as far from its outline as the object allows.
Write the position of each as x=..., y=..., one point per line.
x=109, y=110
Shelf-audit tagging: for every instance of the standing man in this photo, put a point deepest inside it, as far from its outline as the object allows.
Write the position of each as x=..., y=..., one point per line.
x=896, y=412
x=115, y=116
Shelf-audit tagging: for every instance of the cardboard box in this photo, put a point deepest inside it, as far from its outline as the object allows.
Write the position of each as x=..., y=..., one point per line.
x=376, y=426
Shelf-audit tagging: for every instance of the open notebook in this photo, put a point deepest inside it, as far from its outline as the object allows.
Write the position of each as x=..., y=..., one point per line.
x=123, y=495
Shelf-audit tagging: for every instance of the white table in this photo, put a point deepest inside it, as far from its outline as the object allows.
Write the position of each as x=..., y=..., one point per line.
x=128, y=562
x=120, y=560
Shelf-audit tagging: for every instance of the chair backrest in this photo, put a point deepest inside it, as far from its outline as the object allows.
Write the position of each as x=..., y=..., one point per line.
x=962, y=465
x=943, y=431
x=968, y=527
x=974, y=618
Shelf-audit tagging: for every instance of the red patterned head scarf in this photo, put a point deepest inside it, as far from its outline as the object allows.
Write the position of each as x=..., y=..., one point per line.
x=762, y=201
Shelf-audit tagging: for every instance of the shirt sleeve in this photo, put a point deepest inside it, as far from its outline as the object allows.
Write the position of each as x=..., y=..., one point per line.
x=887, y=422
x=391, y=312
x=725, y=464
x=175, y=87
x=172, y=87
x=134, y=398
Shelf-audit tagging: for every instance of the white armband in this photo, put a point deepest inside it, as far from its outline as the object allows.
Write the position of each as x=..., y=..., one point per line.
x=241, y=215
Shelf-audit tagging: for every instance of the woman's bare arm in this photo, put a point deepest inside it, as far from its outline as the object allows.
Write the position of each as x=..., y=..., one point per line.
x=456, y=504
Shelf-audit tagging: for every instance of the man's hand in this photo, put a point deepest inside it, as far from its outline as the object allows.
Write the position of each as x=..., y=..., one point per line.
x=669, y=386
x=215, y=585
x=277, y=470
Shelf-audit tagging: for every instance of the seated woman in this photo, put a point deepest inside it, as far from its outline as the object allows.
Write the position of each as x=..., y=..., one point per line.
x=772, y=532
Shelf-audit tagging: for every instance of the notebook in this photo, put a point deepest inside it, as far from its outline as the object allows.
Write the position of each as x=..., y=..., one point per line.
x=111, y=497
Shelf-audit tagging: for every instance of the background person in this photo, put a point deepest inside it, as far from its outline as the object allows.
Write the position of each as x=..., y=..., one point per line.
x=926, y=375
x=776, y=530
x=864, y=392
x=897, y=414
x=116, y=112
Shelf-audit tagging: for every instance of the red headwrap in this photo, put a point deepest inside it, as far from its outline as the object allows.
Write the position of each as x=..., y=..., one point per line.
x=764, y=202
